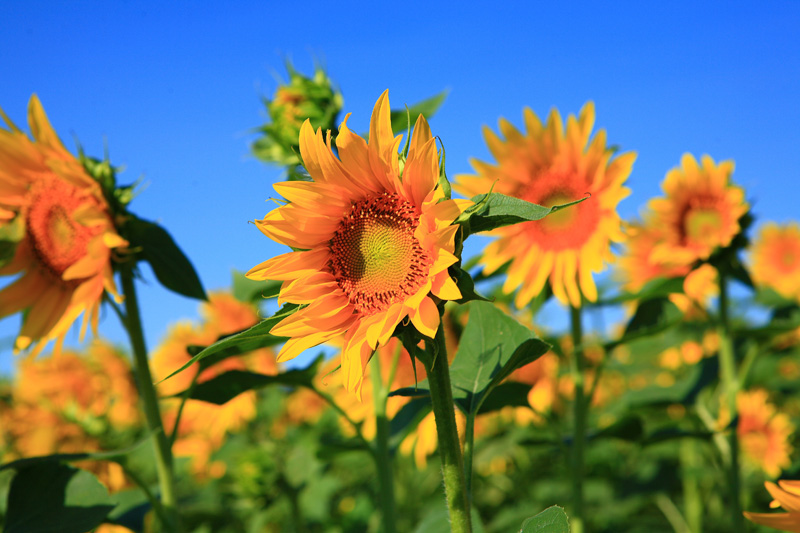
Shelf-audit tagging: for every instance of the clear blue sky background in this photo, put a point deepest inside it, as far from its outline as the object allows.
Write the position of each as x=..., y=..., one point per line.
x=174, y=88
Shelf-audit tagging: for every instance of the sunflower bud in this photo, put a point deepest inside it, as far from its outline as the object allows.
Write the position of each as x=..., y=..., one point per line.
x=300, y=99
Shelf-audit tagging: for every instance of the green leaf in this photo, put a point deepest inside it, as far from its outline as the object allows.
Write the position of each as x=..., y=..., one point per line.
x=245, y=341
x=494, y=210
x=227, y=386
x=492, y=346
x=406, y=419
x=426, y=108
x=551, y=520
x=466, y=285
x=252, y=291
x=113, y=455
x=651, y=317
x=171, y=267
x=55, y=498
x=510, y=393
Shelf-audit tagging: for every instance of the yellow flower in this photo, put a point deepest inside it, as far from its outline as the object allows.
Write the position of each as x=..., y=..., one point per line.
x=372, y=245
x=787, y=495
x=700, y=212
x=203, y=426
x=776, y=259
x=70, y=403
x=636, y=266
x=763, y=432
x=64, y=255
x=548, y=166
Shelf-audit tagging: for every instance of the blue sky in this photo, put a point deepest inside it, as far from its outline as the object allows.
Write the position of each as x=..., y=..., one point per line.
x=174, y=90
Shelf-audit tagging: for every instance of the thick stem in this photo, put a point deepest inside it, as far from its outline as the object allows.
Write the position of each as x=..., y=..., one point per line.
x=436, y=365
x=730, y=384
x=579, y=408
x=383, y=459
x=163, y=453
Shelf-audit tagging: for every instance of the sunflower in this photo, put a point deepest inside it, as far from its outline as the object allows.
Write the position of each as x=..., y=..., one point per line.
x=69, y=234
x=548, y=166
x=787, y=495
x=776, y=259
x=636, y=267
x=763, y=432
x=372, y=245
x=699, y=213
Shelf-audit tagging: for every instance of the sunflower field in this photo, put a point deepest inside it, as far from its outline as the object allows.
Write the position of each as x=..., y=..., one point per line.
x=397, y=369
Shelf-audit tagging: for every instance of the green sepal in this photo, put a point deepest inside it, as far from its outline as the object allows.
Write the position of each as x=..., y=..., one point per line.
x=551, y=520
x=444, y=183
x=172, y=268
x=51, y=496
x=227, y=386
x=494, y=210
x=250, y=339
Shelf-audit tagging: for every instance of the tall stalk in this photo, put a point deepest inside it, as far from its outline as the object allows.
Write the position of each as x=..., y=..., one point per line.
x=163, y=452
x=579, y=406
x=436, y=365
x=729, y=377
x=383, y=459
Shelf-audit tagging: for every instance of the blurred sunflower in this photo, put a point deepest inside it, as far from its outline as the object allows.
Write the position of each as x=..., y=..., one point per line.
x=547, y=166
x=775, y=256
x=764, y=433
x=203, y=426
x=68, y=233
x=372, y=244
x=72, y=403
x=699, y=213
x=787, y=495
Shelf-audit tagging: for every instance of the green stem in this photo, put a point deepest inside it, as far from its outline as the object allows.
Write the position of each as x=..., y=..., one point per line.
x=469, y=453
x=133, y=324
x=579, y=415
x=436, y=365
x=730, y=383
x=692, y=499
x=383, y=459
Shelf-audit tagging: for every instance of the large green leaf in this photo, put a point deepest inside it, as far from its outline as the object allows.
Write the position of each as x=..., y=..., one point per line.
x=494, y=210
x=492, y=346
x=551, y=520
x=253, y=338
x=53, y=497
x=227, y=386
x=170, y=265
x=112, y=455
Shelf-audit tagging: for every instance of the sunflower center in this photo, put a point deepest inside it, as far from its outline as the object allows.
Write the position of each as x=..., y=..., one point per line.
x=57, y=239
x=703, y=225
x=376, y=259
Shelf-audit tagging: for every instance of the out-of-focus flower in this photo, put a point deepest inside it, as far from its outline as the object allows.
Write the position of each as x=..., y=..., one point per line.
x=548, y=166
x=72, y=403
x=542, y=375
x=375, y=244
x=764, y=433
x=635, y=267
x=203, y=426
x=301, y=99
x=787, y=495
x=775, y=256
x=63, y=230
x=699, y=213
